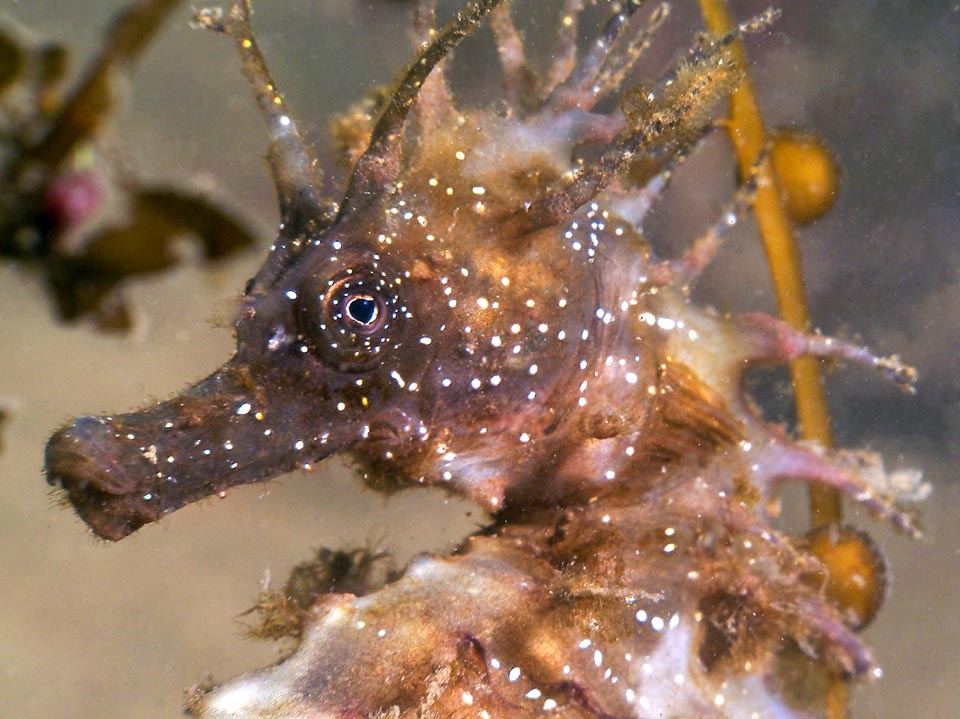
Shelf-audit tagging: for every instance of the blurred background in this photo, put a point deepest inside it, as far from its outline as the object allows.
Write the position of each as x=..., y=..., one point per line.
x=94, y=630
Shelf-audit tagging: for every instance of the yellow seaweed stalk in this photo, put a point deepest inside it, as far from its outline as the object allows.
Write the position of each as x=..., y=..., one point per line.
x=748, y=135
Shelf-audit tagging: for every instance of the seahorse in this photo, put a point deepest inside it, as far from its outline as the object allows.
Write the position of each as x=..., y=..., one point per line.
x=481, y=311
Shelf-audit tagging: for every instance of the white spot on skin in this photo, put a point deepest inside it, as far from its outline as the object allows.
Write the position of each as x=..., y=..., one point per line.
x=657, y=624
x=150, y=453
x=238, y=699
x=514, y=674
x=533, y=694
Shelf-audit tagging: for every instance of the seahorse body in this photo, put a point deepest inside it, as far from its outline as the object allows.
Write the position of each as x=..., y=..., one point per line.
x=482, y=312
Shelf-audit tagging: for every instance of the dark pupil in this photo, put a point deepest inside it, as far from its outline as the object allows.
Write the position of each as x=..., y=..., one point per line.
x=362, y=309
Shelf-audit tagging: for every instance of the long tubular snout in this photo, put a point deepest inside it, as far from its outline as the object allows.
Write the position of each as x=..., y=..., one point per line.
x=125, y=471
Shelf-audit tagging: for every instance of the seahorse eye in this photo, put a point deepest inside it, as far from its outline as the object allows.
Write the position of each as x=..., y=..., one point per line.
x=363, y=310
x=351, y=319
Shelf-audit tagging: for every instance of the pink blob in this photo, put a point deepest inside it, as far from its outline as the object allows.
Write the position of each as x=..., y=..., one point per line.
x=72, y=198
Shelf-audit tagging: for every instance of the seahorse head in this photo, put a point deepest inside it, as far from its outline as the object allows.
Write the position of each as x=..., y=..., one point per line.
x=462, y=317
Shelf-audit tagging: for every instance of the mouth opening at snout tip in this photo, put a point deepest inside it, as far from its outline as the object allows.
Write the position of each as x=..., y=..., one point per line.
x=102, y=494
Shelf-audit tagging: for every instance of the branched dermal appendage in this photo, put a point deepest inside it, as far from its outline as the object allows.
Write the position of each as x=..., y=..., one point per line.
x=565, y=50
x=774, y=341
x=751, y=26
x=380, y=163
x=625, y=56
x=519, y=81
x=678, y=106
x=295, y=170
x=782, y=460
x=577, y=90
x=769, y=340
x=685, y=270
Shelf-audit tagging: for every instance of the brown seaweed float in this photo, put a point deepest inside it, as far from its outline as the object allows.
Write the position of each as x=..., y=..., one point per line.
x=481, y=312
